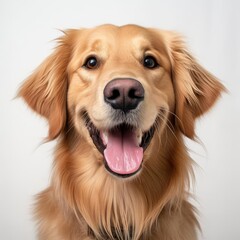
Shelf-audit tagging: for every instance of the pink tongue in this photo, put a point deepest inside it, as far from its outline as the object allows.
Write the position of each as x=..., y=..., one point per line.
x=122, y=153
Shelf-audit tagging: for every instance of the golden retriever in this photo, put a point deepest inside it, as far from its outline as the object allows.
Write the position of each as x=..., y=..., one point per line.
x=119, y=101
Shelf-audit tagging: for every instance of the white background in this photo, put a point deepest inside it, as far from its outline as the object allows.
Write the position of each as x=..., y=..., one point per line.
x=212, y=28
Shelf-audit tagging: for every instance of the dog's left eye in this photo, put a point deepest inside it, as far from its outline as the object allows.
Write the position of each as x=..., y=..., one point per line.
x=91, y=63
x=150, y=62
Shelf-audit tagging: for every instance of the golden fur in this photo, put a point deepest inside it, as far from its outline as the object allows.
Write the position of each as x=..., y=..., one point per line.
x=84, y=201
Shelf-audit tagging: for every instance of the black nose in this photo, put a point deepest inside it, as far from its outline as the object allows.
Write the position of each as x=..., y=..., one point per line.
x=124, y=93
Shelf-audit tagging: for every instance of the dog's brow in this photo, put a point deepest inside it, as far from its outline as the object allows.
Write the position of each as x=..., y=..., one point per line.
x=140, y=46
x=97, y=44
x=142, y=43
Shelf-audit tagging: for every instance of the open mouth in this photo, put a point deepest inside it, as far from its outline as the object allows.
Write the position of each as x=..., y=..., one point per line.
x=122, y=147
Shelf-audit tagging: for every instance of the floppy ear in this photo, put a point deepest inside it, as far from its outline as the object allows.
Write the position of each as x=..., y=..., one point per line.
x=46, y=89
x=196, y=89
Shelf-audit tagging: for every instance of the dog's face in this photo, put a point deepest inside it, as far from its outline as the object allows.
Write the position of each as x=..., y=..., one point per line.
x=119, y=86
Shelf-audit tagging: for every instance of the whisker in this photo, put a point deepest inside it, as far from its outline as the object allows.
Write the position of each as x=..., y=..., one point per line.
x=167, y=122
x=70, y=127
x=171, y=127
x=175, y=115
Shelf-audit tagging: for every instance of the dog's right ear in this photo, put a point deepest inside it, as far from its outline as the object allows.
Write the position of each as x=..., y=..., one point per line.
x=45, y=91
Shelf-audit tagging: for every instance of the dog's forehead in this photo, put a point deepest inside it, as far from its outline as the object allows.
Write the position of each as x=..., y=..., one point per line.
x=120, y=43
x=114, y=36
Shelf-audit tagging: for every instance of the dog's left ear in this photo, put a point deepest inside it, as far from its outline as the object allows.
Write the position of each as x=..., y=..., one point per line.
x=46, y=89
x=196, y=89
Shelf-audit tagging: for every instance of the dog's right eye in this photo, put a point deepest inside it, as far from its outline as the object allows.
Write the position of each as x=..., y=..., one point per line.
x=91, y=63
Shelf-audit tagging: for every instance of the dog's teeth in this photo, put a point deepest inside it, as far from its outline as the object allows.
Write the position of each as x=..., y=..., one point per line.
x=139, y=136
x=105, y=138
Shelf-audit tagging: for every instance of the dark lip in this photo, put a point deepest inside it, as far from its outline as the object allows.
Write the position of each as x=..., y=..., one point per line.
x=95, y=135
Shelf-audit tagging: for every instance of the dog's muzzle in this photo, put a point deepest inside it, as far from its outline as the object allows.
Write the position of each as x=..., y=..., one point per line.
x=123, y=144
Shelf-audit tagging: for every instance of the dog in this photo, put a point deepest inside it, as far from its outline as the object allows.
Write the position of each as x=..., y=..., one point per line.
x=119, y=101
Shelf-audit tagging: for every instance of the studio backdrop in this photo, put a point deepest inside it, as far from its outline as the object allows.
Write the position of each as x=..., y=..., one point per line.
x=212, y=32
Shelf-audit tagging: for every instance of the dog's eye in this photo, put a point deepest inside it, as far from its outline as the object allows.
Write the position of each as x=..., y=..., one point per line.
x=150, y=62
x=91, y=63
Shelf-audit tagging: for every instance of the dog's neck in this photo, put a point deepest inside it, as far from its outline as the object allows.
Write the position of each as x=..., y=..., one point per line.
x=107, y=202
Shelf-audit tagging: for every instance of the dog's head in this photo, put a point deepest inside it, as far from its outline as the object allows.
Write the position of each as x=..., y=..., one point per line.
x=117, y=86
